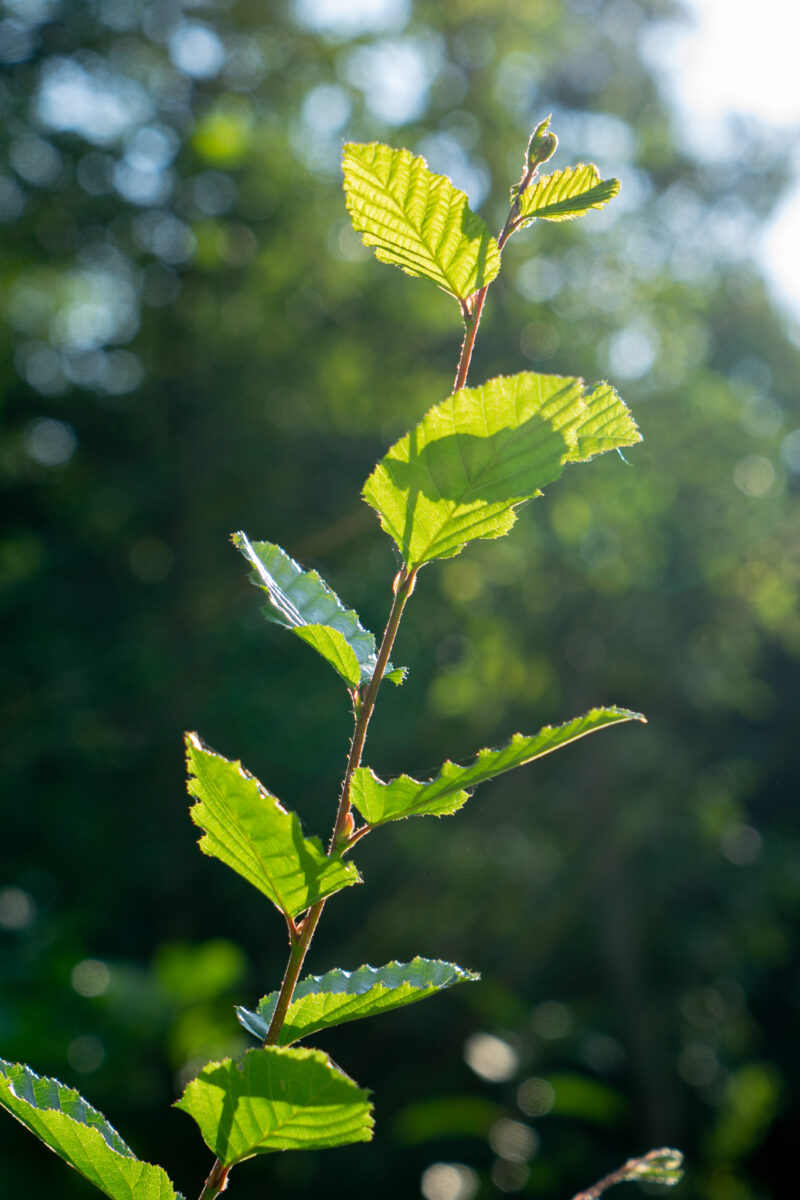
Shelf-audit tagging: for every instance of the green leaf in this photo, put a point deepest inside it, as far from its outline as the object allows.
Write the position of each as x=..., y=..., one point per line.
x=566, y=194
x=606, y=425
x=246, y=828
x=63, y=1120
x=276, y=1099
x=321, y=1001
x=301, y=601
x=379, y=802
x=482, y=452
x=417, y=220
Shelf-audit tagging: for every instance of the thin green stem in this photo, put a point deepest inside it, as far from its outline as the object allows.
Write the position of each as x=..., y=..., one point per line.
x=404, y=586
x=304, y=930
x=217, y=1181
x=473, y=307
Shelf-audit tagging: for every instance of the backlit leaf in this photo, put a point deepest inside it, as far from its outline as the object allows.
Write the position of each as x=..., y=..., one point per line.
x=246, y=828
x=321, y=1001
x=566, y=194
x=482, y=452
x=276, y=1098
x=302, y=601
x=63, y=1120
x=379, y=802
x=417, y=220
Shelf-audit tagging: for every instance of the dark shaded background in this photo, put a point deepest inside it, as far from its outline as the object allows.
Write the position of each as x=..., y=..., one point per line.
x=195, y=342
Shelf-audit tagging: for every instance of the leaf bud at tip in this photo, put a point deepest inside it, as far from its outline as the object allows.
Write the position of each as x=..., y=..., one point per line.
x=542, y=145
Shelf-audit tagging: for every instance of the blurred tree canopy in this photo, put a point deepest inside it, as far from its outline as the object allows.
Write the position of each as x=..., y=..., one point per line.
x=196, y=342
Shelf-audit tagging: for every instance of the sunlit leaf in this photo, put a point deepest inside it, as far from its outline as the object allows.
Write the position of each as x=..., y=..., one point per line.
x=606, y=425
x=567, y=194
x=320, y=1001
x=302, y=601
x=379, y=802
x=477, y=456
x=276, y=1098
x=417, y=220
x=246, y=828
x=63, y=1120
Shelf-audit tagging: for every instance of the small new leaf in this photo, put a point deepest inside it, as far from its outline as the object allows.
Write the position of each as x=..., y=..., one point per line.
x=481, y=453
x=380, y=802
x=659, y=1166
x=276, y=1099
x=322, y=1001
x=301, y=601
x=416, y=220
x=542, y=145
x=565, y=195
x=79, y=1134
x=245, y=827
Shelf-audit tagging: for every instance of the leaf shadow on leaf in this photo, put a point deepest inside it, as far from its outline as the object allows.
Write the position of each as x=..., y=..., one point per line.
x=476, y=229
x=219, y=1077
x=438, y=469
x=310, y=868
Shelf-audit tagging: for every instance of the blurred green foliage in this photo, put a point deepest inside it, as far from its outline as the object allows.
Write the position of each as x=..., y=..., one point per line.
x=195, y=342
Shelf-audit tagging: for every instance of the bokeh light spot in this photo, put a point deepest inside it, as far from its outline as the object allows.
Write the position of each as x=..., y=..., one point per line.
x=535, y=1097
x=49, y=442
x=513, y=1140
x=196, y=50
x=490, y=1057
x=449, y=1181
x=86, y=1054
x=17, y=908
x=90, y=977
x=352, y=18
x=551, y=1020
x=754, y=475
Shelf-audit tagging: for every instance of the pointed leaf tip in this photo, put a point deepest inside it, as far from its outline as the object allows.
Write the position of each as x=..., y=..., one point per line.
x=566, y=194
x=247, y=828
x=380, y=802
x=417, y=220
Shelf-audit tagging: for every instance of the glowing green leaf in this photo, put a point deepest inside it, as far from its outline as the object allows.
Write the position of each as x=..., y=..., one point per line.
x=482, y=452
x=566, y=194
x=276, y=1098
x=320, y=1001
x=379, y=802
x=417, y=220
x=302, y=601
x=63, y=1120
x=246, y=828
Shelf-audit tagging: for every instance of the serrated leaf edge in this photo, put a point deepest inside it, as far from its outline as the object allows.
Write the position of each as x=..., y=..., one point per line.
x=625, y=714
x=92, y=1129
x=318, y=985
